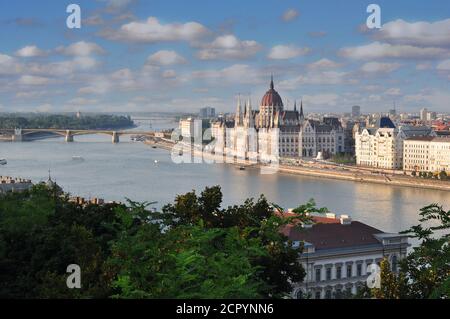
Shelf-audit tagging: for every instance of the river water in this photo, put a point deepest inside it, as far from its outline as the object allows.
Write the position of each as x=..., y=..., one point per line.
x=129, y=170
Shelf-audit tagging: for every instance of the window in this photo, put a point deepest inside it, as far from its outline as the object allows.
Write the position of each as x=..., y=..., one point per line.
x=318, y=295
x=394, y=263
x=349, y=271
x=328, y=294
x=328, y=273
x=338, y=272
x=318, y=274
x=359, y=270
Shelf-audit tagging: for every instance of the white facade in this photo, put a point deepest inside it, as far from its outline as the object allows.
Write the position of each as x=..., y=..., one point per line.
x=427, y=154
x=326, y=138
x=273, y=132
x=382, y=146
x=338, y=257
x=191, y=128
x=384, y=149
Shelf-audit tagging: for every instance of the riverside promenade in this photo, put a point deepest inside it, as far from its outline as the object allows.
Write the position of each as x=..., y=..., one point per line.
x=320, y=170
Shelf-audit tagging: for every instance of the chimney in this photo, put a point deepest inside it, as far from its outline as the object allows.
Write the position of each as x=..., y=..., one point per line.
x=345, y=220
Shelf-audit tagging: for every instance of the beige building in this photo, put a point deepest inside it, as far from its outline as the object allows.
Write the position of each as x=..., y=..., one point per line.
x=339, y=255
x=379, y=147
x=191, y=128
x=427, y=154
x=382, y=146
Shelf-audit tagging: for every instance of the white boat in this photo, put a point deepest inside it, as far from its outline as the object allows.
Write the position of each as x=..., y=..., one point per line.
x=77, y=158
x=3, y=161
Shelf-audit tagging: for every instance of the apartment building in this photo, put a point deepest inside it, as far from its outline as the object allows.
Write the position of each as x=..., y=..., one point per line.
x=338, y=252
x=427, y=154
x=381, y=146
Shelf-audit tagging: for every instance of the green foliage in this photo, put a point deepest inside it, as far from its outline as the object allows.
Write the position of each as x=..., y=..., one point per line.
x=186, y=262
x=427, y=267
x=392, y=286
x=41, y=234
x=344, y=158
x=280, y=265
x=193, y=249
x=54, y=121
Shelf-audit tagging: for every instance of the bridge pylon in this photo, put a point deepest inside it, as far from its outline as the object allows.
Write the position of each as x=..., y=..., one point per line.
x=69, y=136
x=17, y=136
x=115, y=137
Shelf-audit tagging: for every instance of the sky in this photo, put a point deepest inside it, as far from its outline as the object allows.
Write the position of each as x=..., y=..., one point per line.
x=179, y=56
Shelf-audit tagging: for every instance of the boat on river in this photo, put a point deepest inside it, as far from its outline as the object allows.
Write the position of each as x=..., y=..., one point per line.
x=3, y=161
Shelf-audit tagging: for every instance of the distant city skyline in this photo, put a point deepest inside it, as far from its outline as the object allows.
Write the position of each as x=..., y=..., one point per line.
x=179, y=56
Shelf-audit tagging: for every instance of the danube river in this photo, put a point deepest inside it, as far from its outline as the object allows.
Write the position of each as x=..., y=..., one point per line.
x=141, y=173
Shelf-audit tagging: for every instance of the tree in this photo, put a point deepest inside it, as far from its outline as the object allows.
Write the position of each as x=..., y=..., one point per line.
x=254, y=220
x=427, y=267
x=186, y=262
x=392, y=286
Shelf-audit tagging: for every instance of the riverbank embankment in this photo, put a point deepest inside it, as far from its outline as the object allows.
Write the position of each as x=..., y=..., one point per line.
x=355, y=174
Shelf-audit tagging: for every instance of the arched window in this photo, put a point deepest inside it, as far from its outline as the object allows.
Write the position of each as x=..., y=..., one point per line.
x=300, y=294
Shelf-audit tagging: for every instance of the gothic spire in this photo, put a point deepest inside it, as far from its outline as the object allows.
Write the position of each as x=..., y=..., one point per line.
x=301, y=110
x=238, y=116
x=271, y=82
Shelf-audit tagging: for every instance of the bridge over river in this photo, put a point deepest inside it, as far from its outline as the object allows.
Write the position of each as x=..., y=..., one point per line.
x=19, y=135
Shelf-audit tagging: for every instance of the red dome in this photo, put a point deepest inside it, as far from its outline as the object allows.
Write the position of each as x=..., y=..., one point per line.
x=271, y=98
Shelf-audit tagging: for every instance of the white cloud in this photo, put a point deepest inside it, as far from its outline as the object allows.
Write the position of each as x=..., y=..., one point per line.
x=423, y=66
x=169, y=74
x=283, y=52
x=228, y=47
x=151, y=30
x=324, y=64
x=82, y=101
x=437, y=100
x=63, y=68
x=377, y=50
x=95, y=19
x=31, y=94
x=30, y=51
x=237, y=73
x=9, y=65
x=165, y=57
x=96, y=85
x=378, y=67
x=117, y=4
x=315, y=78
x=290, y=15
x=327, y=99
x=444, y=65
x=420, y=33
x=33, y=80
x=393, y=92
x=81, y=48
x=46, y=107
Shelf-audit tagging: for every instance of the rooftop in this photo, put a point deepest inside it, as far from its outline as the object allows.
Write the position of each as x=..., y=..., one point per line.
x=331, y=233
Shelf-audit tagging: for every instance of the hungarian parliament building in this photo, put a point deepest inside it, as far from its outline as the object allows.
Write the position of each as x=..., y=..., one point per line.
x=272, y=132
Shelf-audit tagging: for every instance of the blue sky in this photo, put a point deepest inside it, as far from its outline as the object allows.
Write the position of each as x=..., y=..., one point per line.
x=136, y=55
